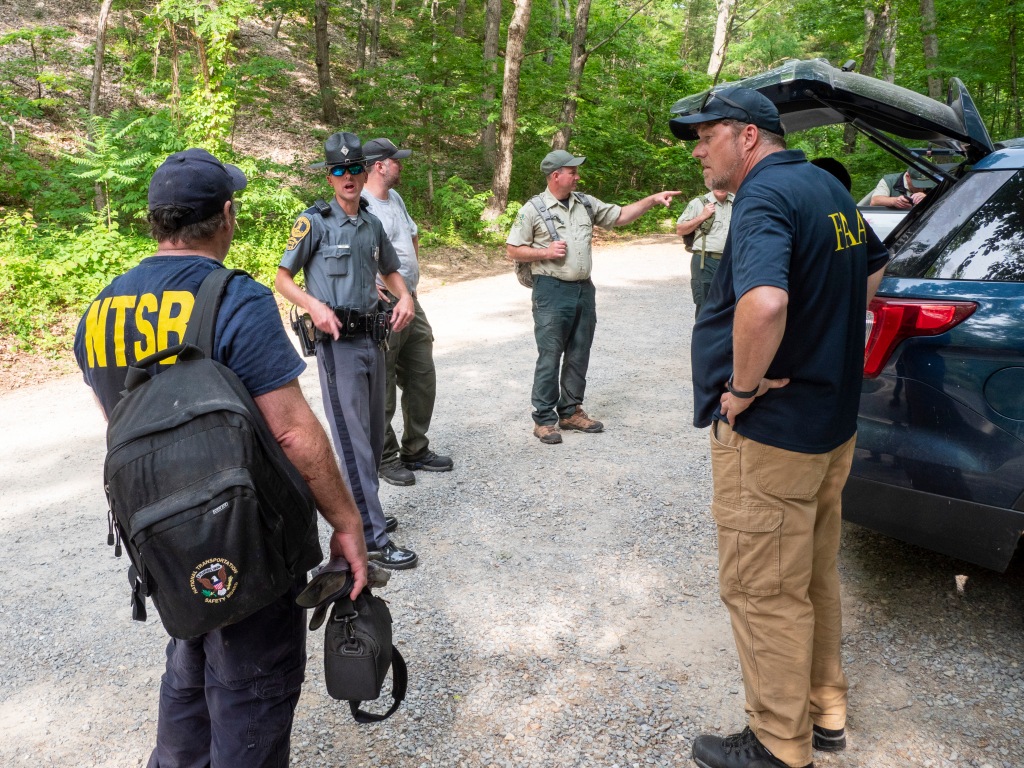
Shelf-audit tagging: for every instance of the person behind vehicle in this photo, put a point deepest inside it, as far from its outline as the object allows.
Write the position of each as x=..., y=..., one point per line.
x=221, y=687
x=564, y=309
x=410, y=352
x=777, y=367
x=340, y=248
x=707, y=217
x=900, y=190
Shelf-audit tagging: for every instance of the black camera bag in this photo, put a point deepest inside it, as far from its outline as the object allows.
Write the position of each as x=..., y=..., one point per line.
x=358, y=651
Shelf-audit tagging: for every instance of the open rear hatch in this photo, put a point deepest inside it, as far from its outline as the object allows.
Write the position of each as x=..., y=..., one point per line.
x=813, y=93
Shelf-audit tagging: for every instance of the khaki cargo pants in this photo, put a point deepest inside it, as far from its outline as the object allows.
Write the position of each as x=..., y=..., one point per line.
x=778, y=515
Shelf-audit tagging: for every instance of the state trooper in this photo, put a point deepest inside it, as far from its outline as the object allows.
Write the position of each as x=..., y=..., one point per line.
x=340, y=247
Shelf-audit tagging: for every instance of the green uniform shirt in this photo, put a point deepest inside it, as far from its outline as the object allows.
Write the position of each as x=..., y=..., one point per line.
x=719, y=225
x=572, y=224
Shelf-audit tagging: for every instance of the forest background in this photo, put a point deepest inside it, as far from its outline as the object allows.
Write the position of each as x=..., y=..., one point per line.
x=94, y=95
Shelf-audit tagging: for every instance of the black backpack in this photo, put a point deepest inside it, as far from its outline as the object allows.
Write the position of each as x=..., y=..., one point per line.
x=522, y=268
x=217, y=521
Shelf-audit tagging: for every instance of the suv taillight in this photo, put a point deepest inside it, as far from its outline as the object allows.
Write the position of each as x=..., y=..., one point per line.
x=890, y=321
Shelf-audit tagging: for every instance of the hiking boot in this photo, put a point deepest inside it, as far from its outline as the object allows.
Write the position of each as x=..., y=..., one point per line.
x=393, y=557
x=394, y=473
x=547, y=433
x=740, y=750
x=430, y=462
x=828, y=740
x=390, y=523
x=581, y=422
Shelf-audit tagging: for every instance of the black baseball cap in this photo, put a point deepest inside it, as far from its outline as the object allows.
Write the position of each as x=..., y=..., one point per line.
x=743, y=104
x=196, y=180
x=384, y=149
x=341, y=148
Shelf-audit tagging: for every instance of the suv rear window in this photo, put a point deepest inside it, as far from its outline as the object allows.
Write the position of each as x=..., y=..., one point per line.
x=975, y=232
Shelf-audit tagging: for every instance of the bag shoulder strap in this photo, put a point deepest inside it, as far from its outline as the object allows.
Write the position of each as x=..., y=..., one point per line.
x=538, y=202
x=202, y=322
x=400, y=684
x=581, y=198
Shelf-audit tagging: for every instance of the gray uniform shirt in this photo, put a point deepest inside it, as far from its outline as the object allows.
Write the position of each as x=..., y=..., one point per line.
x=572, y=224
x=340, y=258
x=719, y=225
x=400, y=229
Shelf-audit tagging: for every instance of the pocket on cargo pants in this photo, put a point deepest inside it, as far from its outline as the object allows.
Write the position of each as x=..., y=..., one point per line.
x=749, y=548
x=749, y=530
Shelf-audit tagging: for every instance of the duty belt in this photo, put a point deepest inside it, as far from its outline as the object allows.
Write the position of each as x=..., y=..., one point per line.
x=355, y=322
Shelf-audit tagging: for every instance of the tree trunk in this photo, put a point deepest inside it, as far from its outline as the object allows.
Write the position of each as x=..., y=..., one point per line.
x=876, y=22
x=509, y=106
x=693, y=11
x=374, y=41
x=460, y=19
x=361, y=35
x=276, y=29
x=556, y=31
x=723, y=28
x=97, y=64
x=323, y=65
x=492, y=29
x=577, y=61
x=931, y=48
x=99, y=199
x=1014, y=92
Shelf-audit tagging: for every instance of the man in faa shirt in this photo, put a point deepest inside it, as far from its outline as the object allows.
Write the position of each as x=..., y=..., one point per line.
x=564, y=310
x=777, y=366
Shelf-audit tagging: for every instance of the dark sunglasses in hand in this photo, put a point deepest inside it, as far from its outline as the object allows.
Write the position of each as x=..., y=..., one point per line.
x=339, y=170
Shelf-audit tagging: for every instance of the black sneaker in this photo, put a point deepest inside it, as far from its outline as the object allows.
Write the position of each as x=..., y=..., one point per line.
x=828, y=740
x=430, y=462
x=740, y=750
x=396, y=474
x=390, y=523
x=394, y=557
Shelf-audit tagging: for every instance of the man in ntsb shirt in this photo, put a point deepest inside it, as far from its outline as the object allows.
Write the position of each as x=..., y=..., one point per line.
x=777, y=358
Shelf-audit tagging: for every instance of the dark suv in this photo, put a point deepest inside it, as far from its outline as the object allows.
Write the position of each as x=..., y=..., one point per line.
x=940, y=441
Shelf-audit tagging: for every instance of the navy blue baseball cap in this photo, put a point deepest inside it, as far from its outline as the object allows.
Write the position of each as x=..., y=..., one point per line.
x=743, y=104
x=196, y=180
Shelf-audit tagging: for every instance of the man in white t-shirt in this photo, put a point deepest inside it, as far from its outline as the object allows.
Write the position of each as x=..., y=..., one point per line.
x=410, y=355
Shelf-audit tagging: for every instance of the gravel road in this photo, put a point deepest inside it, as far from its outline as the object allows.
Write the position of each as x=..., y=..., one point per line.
x=565, y=610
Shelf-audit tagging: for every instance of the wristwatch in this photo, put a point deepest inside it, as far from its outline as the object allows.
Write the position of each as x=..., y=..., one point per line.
x=738, y=393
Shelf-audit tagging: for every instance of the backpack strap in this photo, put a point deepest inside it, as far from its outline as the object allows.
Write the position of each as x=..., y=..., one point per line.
x=203, y=321
x=581, y=198
x=400, y=683
x=549, y=221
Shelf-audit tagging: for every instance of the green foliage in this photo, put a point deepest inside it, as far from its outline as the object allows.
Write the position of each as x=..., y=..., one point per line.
x=195, y=74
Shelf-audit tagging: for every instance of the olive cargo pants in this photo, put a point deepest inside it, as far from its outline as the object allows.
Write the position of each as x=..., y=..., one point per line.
x=410, y=367
x=779, y=517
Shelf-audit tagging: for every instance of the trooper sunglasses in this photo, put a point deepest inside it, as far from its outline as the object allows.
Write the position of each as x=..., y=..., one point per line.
x=339, y=170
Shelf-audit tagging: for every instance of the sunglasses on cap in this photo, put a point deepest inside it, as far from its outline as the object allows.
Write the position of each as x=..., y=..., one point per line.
x=727, y=101
x=339, y=170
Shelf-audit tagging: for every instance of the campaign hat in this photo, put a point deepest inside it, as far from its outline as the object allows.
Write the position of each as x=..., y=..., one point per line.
x=341, y=148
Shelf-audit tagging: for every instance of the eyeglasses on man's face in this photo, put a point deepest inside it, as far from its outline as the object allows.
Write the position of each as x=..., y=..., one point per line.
x=339, y=170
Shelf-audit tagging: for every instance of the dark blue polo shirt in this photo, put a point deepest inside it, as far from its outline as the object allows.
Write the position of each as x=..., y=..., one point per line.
x=147, y=309
x=794, y=227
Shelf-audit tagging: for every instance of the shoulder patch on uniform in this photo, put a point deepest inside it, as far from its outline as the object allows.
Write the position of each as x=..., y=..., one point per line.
x=299, y=230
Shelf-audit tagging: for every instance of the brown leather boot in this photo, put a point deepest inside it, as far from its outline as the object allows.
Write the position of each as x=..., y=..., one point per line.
x=581, y=422
x=547, y=433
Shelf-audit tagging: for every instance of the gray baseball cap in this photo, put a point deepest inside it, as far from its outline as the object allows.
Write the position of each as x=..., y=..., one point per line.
x=558, y=159
x=384, y=149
